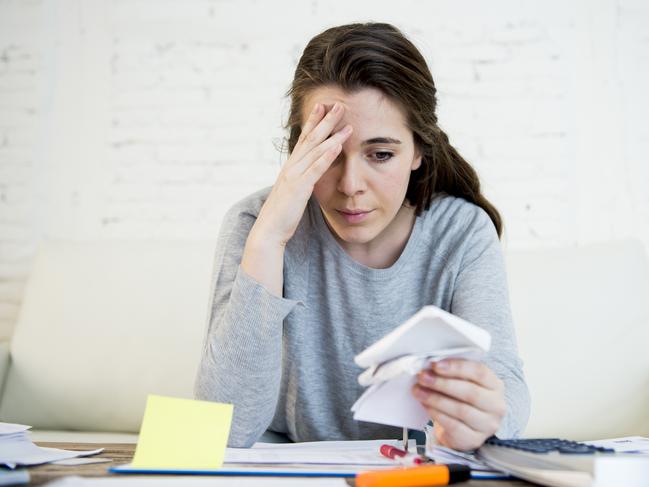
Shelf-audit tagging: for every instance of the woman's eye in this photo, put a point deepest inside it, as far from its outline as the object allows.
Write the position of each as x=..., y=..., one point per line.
x=383, y=156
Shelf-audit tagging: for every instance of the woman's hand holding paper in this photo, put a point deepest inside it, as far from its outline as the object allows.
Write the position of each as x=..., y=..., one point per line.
x=465, y=399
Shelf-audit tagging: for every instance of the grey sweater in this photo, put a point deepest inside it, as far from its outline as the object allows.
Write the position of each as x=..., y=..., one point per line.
x=287, y=363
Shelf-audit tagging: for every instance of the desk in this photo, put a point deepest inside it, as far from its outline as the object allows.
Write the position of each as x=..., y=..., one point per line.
x=123, y=452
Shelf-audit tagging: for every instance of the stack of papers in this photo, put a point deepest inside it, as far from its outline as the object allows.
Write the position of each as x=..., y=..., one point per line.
x=196, y=481
x=14, y=477
x=16, y=449
x=442, y=454
x=361, y=452
x=311, y=459
x=392, y=363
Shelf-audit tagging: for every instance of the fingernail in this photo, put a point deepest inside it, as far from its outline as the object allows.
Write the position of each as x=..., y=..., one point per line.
x=316, y=108
x=347, y=130
x=426, y=379
x=336, y=108
x=419, y=393
x=441, y=365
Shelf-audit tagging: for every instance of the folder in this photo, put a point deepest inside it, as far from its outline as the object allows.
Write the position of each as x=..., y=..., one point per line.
x=340, y=471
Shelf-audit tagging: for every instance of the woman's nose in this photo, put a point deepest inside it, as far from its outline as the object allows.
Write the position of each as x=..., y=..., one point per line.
x=352, y=178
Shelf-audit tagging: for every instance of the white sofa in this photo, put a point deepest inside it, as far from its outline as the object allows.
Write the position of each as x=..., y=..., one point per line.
x=105, y=323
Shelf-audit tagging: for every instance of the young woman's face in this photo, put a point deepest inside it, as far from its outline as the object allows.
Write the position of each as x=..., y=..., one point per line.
x=363, y=191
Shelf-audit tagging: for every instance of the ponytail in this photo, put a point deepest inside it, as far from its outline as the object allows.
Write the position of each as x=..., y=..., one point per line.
x=447, y=172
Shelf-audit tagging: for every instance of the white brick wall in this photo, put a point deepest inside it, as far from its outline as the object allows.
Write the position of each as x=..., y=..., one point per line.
x=21, y=68
x=148, y=118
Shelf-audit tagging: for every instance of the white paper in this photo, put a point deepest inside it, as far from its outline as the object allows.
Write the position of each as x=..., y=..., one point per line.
x=392, y=403
x=430, y=329
x=10, y=428
x=190, y=481
x=442, y=454
x=17, y=449
x=392, y=363
x=364, y=452
x=14, y=477
x=627, y=471
x=627, y=444
x=410, y=364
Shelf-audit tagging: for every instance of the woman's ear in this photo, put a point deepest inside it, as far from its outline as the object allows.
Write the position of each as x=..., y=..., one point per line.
x=416, y=161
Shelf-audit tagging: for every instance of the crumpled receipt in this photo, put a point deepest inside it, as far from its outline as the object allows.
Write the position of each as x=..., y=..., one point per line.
x=393, y=362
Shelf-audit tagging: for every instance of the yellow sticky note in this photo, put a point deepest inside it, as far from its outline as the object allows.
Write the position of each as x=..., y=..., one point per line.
x=182, y=434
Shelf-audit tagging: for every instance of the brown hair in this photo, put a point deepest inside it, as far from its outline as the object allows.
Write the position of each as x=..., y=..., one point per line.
x=378, y=55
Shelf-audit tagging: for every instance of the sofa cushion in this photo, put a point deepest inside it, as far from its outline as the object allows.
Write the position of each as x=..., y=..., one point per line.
x=81, y=437
x=103, y=324
x=582, y=319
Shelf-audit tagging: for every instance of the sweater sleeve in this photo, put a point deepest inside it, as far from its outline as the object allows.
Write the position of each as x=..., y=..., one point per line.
x=241, y=360
x=481, y=297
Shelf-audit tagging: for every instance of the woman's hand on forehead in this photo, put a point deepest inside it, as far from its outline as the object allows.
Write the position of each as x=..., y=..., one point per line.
x=328, y=105
x=317, y=148
x=316, y=134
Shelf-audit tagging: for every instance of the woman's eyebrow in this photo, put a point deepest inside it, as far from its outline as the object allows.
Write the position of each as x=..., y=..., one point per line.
x=381, y=140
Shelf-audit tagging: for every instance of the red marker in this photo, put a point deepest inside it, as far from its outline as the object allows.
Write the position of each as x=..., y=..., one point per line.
x=392, y=451
x=395, y=453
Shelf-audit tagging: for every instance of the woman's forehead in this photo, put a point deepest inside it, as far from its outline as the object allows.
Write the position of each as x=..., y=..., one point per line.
x=368, y=107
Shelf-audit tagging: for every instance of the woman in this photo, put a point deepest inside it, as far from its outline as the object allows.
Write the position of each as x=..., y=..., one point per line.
x=373, y=216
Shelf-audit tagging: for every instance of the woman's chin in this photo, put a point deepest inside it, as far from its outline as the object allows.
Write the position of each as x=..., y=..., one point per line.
x=355, y=234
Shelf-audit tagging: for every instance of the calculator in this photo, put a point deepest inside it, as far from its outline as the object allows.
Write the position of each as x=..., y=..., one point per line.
x=547, y=461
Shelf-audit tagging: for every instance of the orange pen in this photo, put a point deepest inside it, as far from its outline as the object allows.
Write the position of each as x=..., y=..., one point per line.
x=422, y=476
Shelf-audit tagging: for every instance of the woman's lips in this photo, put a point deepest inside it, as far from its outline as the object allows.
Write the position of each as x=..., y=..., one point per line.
x=354, y=216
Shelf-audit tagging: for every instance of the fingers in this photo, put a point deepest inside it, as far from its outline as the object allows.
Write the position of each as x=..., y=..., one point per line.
x=314, y=117
x=467, y=395
x=317, y=129
x=315, y=171
x=454, y=434
x=326, y=149
x=460, y=389
x=474, y=418
x=470, y=370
